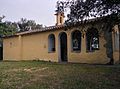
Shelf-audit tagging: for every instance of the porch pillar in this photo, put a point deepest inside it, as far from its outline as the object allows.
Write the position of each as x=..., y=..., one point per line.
x=83, y=43
x=20, y=47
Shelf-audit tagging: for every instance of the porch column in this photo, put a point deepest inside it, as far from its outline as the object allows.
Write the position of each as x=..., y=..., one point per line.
x=83, y=43
x=20, y=47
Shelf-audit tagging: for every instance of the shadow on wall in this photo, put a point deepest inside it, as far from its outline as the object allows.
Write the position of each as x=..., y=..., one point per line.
x=1, y=53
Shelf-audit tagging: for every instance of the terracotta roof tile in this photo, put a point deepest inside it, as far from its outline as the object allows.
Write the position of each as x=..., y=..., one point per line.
x=41, y=30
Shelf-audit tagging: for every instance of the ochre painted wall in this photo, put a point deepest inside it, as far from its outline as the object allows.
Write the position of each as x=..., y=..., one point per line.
x=35, y=47
x=29, y=47
x=11, y=49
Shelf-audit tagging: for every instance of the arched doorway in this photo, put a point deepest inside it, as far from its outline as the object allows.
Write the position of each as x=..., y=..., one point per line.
x=63, y=47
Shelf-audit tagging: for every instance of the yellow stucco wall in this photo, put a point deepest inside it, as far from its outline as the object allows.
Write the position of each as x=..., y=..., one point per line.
x=30, y=47
x=11, y=49
x=35, y=46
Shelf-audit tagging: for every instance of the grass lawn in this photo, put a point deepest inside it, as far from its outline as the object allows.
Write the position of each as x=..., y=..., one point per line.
x=46, y=75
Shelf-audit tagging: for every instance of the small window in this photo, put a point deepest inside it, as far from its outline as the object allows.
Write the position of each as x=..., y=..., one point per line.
x=92, y=40
x=76, y=41
x=51, y=43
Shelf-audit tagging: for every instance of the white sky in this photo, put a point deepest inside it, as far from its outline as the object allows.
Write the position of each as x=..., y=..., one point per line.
x=42, y=11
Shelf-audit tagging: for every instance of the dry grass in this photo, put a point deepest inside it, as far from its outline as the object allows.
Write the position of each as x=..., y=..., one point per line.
x=45, y=75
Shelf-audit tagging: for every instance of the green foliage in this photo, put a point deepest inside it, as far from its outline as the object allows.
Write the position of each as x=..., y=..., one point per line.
x=83, y=9
x=26, y=25
x=7, y=28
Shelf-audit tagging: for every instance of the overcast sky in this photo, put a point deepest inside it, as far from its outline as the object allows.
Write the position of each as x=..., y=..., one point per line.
x=42, y=11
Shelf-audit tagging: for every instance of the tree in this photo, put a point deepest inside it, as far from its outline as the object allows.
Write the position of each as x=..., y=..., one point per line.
x=1, y=17
x=7, y=29
x=81, y=10
x=26, y=25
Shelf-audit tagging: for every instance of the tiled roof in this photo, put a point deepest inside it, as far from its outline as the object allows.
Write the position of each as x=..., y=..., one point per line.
x=41, y=30
x=36, y=31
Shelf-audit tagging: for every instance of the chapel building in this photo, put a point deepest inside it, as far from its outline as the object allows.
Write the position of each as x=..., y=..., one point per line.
x=81, y=43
